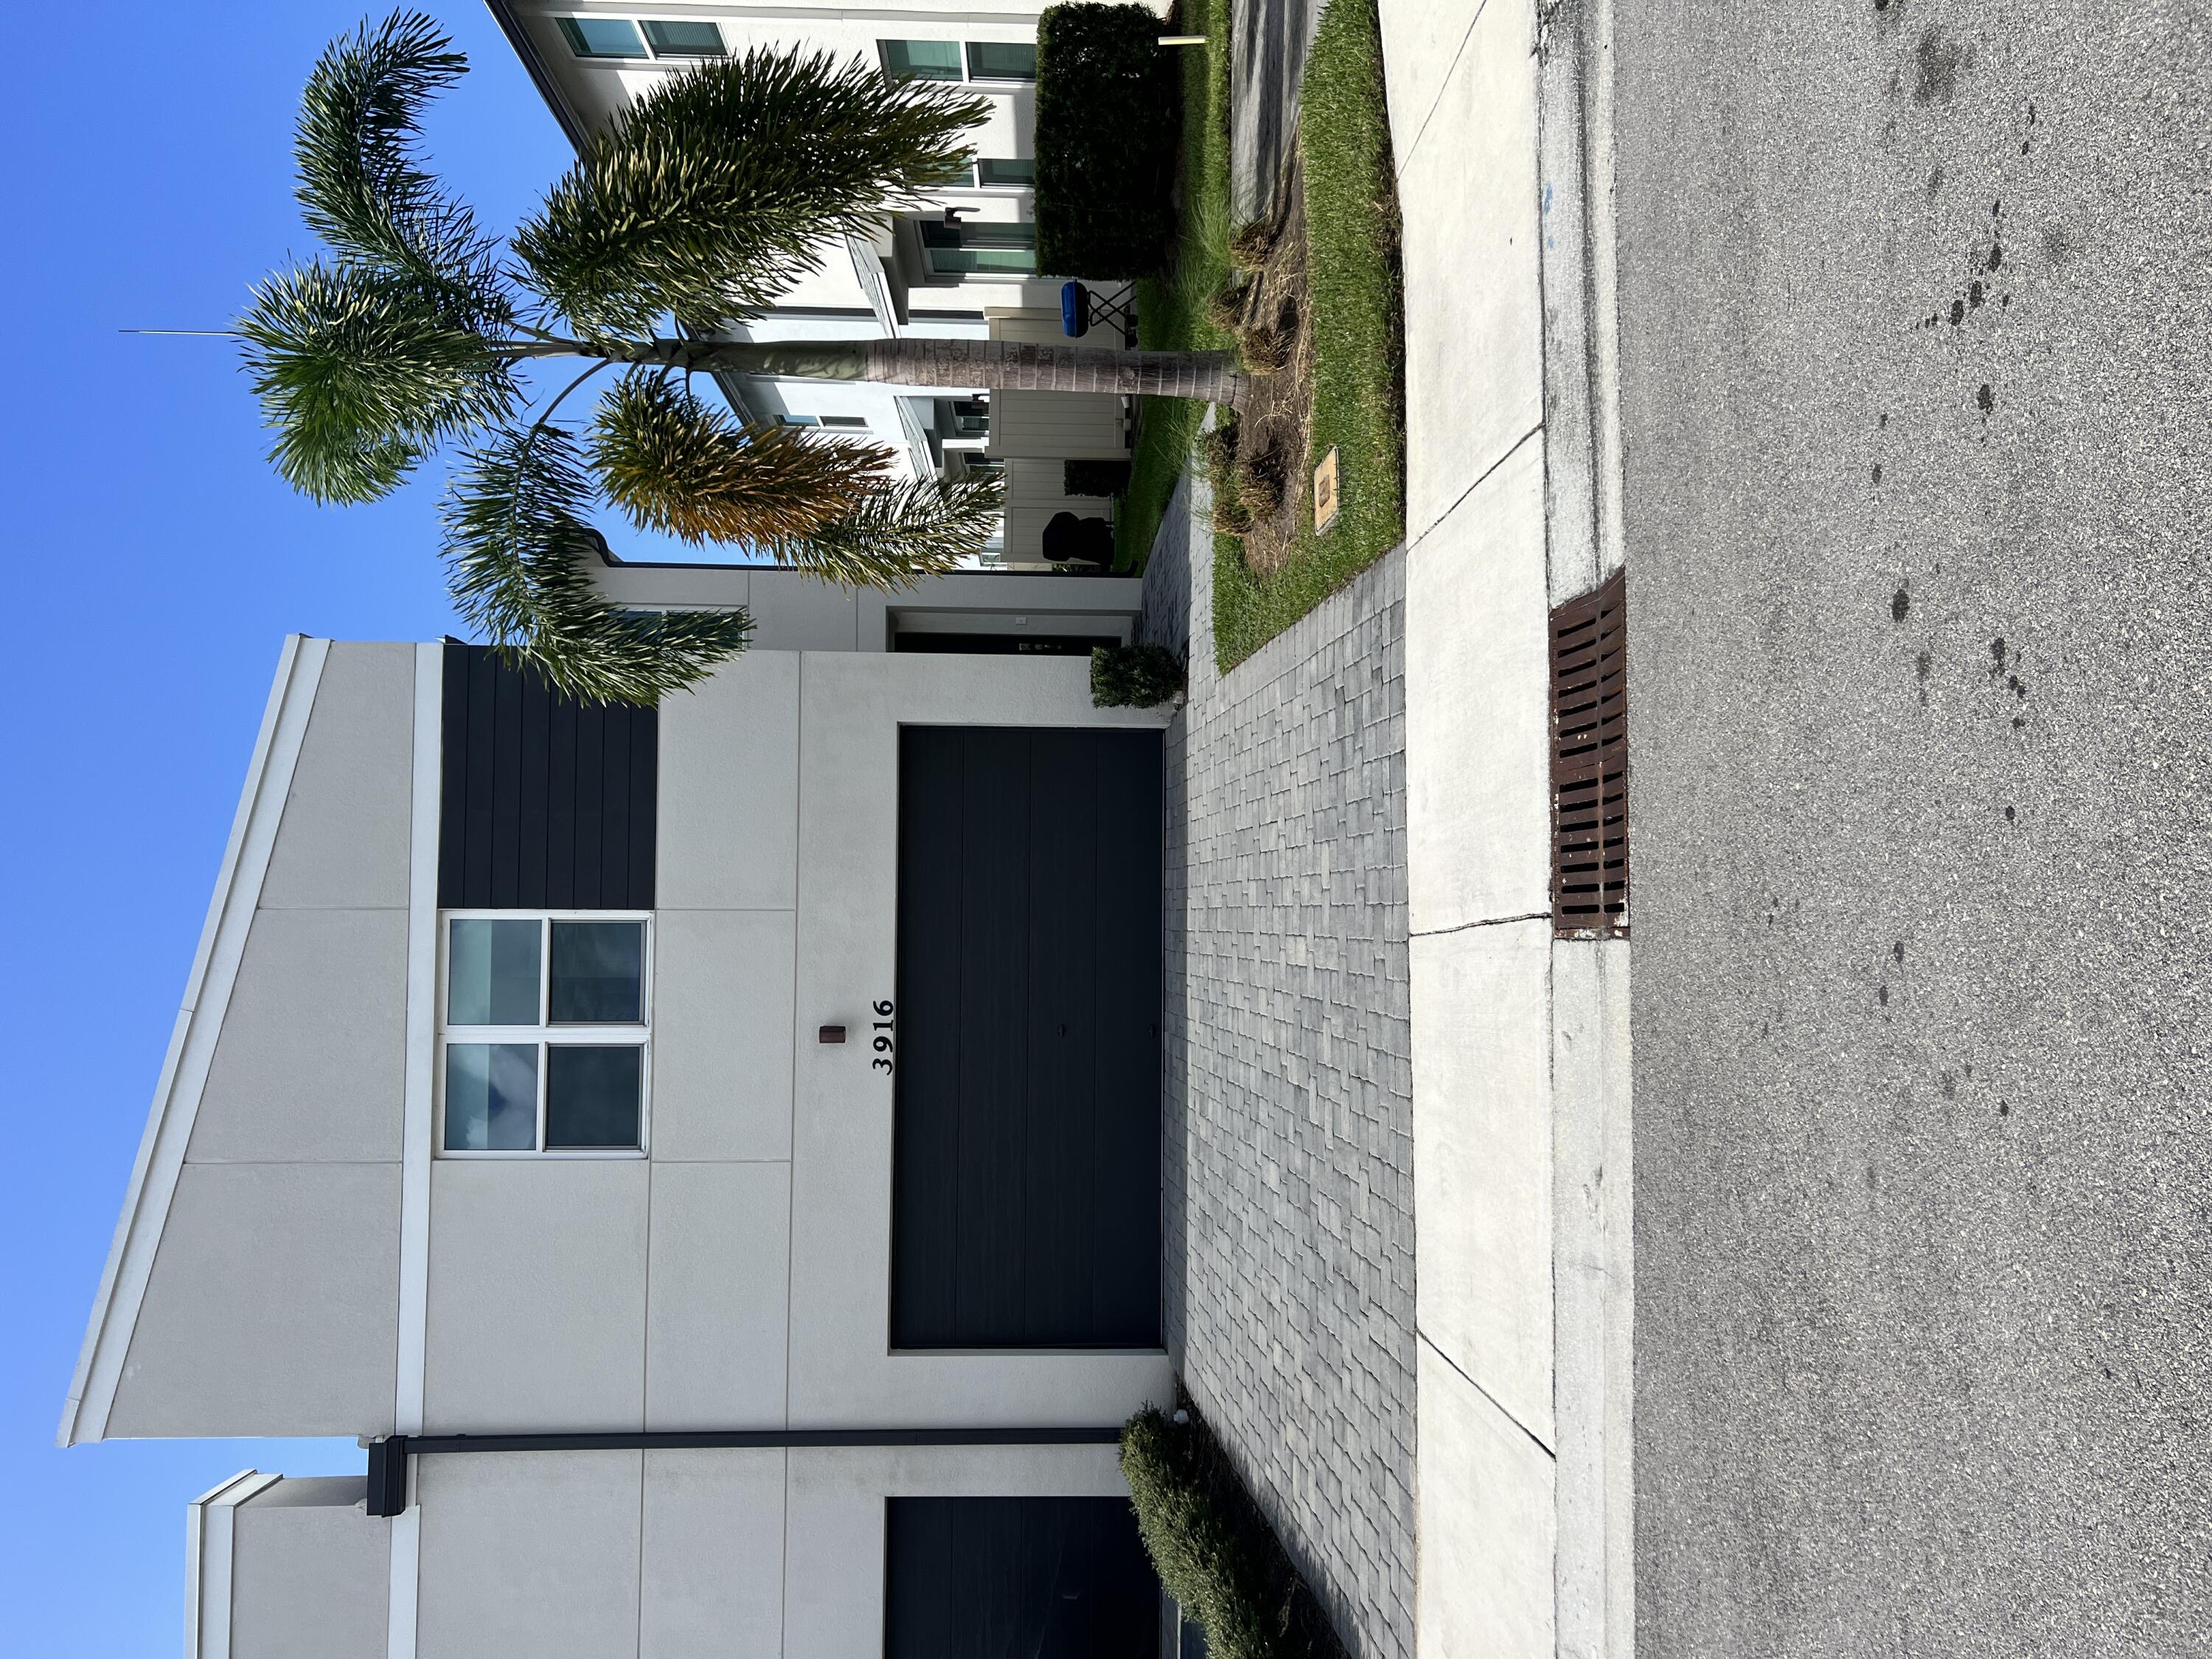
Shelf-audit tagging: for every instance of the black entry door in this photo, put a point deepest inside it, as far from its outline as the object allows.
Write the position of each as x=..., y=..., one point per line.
x=1016, y=1578
x=1026, y=1174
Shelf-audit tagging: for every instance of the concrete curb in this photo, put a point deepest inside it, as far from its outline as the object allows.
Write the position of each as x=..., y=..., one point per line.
x=1522, y=1145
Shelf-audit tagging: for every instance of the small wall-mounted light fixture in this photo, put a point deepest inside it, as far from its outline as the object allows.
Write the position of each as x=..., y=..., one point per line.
x=831, y=1033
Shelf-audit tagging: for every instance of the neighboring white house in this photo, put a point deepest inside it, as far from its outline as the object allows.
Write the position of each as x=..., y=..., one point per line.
x=507, y=1102
x=962, y=266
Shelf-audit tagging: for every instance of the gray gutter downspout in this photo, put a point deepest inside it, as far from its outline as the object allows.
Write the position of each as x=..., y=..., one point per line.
x=387, y=1458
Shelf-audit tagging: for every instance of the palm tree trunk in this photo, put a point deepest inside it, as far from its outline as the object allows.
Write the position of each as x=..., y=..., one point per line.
x=999, y=365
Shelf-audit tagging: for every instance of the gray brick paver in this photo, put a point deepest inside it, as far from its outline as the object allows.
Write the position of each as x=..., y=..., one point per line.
x=1289, y=1100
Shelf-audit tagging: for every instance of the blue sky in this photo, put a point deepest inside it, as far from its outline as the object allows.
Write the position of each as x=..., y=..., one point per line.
x=157, y=565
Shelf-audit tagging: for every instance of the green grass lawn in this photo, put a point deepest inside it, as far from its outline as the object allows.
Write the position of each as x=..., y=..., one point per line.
x=1351, y=266
x=1171, y=313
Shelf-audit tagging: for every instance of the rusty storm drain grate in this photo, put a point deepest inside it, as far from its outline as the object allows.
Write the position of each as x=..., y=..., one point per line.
x=1590, y=763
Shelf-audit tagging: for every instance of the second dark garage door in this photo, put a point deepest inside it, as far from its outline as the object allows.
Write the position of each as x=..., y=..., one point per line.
x=1026, y=1173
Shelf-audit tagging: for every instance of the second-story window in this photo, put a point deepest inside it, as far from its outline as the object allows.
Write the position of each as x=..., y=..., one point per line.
x=603, y=37
x=1005, y=173
x=545, y=1033
x=685, y=40
x=920, y=60
x=1001, y=60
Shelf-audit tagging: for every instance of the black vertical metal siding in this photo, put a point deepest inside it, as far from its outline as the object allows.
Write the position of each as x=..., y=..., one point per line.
x=546, y=804
x=1016, y=1578
x=1025, y=1168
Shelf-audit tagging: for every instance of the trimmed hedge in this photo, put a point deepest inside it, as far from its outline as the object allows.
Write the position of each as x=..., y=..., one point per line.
x=1210, y=1548
x=1108, y=123
x=1093, y=477
x=1133, y=676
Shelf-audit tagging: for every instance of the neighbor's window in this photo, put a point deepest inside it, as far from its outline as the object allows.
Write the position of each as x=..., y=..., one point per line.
x=979, y=248
x=840, y=423
x=1009, y=172
x=543, y=1036
x=1002, y=60
x=602, y=37
x=685, y=40
x=920, y=60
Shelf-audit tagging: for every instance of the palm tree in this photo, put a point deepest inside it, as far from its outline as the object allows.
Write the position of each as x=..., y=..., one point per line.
x=703, y=202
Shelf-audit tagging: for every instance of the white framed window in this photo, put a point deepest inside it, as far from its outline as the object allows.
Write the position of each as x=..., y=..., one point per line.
x=545, y=1033
x=602, y=37
x=1007, y=173
x=828, y=423
x=621, y=37
x=696, y=40
x=1002, y=60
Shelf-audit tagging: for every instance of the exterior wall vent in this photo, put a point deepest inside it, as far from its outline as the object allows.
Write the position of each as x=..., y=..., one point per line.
x=1590, y=763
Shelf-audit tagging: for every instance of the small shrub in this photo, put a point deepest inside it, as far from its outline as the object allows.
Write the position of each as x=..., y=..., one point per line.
x=1263, y=475
x=1265, y=350
x=1218, y=448
x=1252, y=244
x=1212, y=1550
x=1133, y=676
x=1108, y=126
x=1224, y=307
x=1093, y=477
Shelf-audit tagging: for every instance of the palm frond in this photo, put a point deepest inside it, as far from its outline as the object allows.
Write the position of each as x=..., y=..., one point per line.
x=517, y=548
x=922, y=528
x=360, y=186
x=717, y=186
x=361, y=372
x=674, y=462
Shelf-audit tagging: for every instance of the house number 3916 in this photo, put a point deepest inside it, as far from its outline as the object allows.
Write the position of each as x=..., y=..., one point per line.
x=882, y=1062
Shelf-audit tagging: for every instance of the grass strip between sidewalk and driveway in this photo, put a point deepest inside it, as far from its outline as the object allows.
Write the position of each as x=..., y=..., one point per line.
x=1353, y=279
x=1171, y=311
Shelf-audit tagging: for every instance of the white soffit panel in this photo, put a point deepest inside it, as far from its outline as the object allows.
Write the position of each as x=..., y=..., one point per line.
x=191, y=1042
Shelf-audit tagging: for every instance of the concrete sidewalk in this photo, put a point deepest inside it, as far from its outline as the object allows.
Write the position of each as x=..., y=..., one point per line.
x=1520, y=1041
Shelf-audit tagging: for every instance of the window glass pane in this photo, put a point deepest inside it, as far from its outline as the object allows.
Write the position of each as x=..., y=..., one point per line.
x=921, y=60
x=1002, y=60
x=847, y=422
x=591, y=1095
x=602, y=37
x=491, y=973
x=685, y=39
x=599, y=972
x=1008, y=171
x=491, y=1096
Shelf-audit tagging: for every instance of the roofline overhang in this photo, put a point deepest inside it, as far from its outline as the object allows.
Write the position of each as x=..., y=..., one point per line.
x=533, y=61
x=161, y=1148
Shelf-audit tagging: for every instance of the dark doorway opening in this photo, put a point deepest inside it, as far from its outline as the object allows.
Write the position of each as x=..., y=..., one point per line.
x=1026, y=1161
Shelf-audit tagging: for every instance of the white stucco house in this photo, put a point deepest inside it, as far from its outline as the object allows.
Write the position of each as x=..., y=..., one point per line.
x=962, y=264
x=710, y=1155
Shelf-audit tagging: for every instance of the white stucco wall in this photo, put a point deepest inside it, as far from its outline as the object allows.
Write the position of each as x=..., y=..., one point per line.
x=281, y=1568
x=739, y=1277
x=269, y=1248
x=664, y=1554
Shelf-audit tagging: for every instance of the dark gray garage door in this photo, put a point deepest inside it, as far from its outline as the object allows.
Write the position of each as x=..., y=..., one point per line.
x=1026, y=1176
x=1017, y=1578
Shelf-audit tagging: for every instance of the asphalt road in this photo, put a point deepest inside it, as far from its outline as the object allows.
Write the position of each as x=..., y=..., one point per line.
x=1914, y=316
